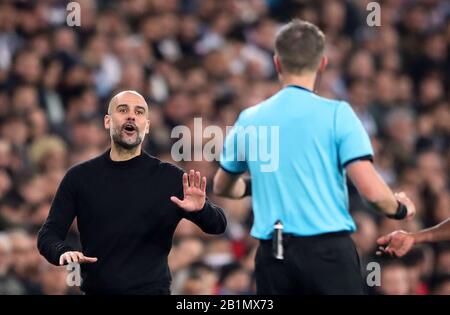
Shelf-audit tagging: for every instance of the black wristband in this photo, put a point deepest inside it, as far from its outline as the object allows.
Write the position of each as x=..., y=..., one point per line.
x=248, y=187
x=400, y=214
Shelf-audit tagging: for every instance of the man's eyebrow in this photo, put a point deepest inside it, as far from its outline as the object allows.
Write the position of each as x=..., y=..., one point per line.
x=141, y=107
x=126, y=105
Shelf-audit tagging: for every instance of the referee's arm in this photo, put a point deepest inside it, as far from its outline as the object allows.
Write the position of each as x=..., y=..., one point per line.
x=372, y=187
x=230, y=185
x=355, y=152
x=228, y=181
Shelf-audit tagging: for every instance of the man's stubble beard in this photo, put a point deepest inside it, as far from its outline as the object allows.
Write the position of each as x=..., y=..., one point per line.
x=124, y=145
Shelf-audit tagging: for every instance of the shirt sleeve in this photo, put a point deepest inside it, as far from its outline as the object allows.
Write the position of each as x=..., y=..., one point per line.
x=353, y=142
x=211, y=219
x=232, y=158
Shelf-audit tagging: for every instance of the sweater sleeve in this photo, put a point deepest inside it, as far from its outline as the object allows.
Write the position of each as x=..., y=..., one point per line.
x=211, y=219
x=51, y=237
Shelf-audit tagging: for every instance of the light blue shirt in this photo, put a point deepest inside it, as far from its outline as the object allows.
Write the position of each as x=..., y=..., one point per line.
x=296, y=145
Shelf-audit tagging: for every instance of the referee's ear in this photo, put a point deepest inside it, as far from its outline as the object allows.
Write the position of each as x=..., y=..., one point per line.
x=323, y=63
x=277, y=63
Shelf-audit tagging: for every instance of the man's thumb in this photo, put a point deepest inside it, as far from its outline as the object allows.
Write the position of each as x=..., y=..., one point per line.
x=176, y=200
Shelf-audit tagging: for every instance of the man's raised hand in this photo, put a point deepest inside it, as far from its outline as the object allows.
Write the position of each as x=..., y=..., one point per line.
x=194, y=191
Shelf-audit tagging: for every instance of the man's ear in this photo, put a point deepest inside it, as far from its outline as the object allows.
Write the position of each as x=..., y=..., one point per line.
x=277, y=63
x=107, y=121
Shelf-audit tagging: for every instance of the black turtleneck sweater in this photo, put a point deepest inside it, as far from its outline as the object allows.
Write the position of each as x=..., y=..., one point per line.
x=126, y=219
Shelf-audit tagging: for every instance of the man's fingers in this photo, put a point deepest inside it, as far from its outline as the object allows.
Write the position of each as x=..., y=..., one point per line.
x=191, y=178
x=197, y=180
x=391, y=252
x=383, y=251
x=185, y=183
x=74, y=257
x=203, y=184
x=79, y=257
x=86, y=259
x=61, y=260
x=67, y=258
x=383, y=240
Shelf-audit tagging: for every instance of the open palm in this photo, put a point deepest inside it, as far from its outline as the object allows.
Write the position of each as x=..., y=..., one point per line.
x=194, y=191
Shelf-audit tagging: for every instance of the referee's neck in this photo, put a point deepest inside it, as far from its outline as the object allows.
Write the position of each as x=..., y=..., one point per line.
x=305, y=80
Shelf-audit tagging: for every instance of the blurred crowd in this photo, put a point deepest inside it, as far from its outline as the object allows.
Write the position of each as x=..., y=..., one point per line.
x=211, y=59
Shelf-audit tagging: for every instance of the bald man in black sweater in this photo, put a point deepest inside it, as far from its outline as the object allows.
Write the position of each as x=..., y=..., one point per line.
x=127, y=204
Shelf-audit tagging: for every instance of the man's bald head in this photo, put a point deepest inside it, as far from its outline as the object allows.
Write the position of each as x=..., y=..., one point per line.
x=127, y=97
x=127, y=120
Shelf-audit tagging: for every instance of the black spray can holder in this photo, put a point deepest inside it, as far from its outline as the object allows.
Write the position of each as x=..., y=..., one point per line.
x=277, y=241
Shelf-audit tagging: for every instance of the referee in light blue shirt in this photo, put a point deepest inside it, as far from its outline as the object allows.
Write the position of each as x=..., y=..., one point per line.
x=298, y=148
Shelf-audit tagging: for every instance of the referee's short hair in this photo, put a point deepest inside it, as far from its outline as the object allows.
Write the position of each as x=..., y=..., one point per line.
x=299, y=45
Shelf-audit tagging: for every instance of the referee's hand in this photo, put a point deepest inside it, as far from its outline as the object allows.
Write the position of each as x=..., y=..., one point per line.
x=194, y=191
x=75, y=257
x=410, y=207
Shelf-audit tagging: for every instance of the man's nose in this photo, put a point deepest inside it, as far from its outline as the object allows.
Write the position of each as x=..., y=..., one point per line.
x=131, y=116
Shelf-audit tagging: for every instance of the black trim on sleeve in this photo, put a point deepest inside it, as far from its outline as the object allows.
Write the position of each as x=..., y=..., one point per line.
x=368, y=157
x=230, y=172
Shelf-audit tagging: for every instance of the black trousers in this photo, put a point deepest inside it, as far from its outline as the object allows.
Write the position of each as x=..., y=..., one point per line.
x=321, y=264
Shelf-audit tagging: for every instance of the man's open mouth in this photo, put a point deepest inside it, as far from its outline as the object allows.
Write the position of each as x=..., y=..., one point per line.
x=129, y=128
